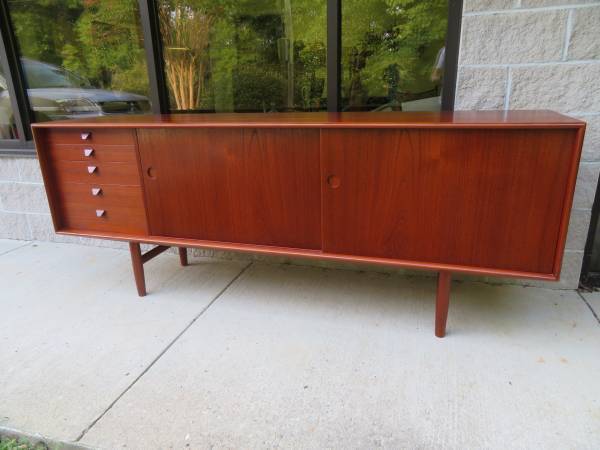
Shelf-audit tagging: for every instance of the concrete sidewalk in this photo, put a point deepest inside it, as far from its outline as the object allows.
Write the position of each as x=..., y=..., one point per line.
x=228, y=354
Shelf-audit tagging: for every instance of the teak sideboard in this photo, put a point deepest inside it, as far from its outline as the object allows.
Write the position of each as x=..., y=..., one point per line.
x=478, y=192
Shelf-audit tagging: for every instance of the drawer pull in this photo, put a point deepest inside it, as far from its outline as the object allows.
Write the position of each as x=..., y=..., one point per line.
x=88, y=152
x=92, y=169
x=86, y=136
x=333, y=181
x=100, y=213
x=96, y=191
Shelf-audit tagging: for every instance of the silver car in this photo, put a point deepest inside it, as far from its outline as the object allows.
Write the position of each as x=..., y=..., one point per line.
x=56, y=93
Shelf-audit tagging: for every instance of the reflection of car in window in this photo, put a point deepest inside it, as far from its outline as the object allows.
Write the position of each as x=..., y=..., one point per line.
x=56, y=93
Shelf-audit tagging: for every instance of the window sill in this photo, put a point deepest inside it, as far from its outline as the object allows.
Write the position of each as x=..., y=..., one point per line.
x=25, y=152
x=17, y=148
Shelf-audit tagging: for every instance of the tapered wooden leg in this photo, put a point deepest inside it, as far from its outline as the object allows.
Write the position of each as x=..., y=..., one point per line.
x=138, y=267
x=183, y=256
x=441, y=303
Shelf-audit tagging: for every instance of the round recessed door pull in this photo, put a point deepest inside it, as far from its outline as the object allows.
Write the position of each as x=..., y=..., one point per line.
x=100, y=213
x=88, y=152
x=92, y=169
x=96, y=191
x=151, y=172
x=334, y=181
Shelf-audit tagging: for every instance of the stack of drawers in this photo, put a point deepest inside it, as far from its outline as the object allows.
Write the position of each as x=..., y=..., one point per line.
x=97, y=180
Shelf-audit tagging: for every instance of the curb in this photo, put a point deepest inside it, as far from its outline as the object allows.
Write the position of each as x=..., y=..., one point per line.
x=39, y=440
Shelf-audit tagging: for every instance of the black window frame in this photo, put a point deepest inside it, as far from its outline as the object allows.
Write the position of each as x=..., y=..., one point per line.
x=13, y=73
x=158, y=89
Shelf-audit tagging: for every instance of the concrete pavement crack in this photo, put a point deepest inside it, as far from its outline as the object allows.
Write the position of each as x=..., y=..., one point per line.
x=589, y=306
x=221, y=292
x=16, y=248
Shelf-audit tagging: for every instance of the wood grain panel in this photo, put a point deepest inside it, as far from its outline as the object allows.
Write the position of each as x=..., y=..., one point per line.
x=307, y=253
x=237, y=185
x=482, y=198
x=112, y=136
x=100, y=153
x=417, y=119
x=108, y=196
x=123, y=206
x=106, y=172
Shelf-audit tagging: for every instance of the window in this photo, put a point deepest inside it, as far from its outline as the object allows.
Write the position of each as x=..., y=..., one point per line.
x=81, y=58
x=249, y=55
x=64, y=59
x=393, y=54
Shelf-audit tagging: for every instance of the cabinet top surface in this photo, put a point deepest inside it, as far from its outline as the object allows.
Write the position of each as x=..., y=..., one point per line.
x=462, y=119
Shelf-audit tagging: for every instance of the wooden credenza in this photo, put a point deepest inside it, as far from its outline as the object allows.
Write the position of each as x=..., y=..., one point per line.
x=485, y=192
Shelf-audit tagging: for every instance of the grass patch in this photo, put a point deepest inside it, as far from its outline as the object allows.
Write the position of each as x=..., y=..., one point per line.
x=13, y=444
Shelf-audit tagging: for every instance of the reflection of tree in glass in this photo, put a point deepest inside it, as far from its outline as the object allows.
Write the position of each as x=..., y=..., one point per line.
x=185, y=32
x=388, y=50
x=260, y=70
x=98, y=40
x=244, y=55
x=219, y=55
x=112, y=48
x=312, y=60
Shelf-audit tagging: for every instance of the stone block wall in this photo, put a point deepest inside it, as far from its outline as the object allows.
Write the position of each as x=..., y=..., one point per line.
x=539, y=54
x=24, y=211
x=23, y=205
x=514, y=54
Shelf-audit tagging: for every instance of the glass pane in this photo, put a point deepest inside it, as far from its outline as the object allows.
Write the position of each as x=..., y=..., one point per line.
x=8, y=130
x=81, y=58
x=393, y=54
x=245, y=55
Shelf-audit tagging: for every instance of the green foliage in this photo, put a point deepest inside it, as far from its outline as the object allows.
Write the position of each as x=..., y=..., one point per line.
x=43, y=27
x=258, y=50
x=14, y=444
x=111, y=51
x=390, y=46
x=312, y=73
x=99, y=40
x=257, y=89
x=247, y=54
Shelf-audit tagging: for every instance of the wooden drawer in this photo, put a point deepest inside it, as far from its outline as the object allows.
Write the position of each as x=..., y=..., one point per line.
x=114, y=208
x=92, y=152
x=91, y=172
x=101, y=196
x=114, y=136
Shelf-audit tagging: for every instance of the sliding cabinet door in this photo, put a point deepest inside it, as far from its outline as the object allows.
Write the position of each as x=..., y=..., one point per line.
x=481, y=198
x=252, y=186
